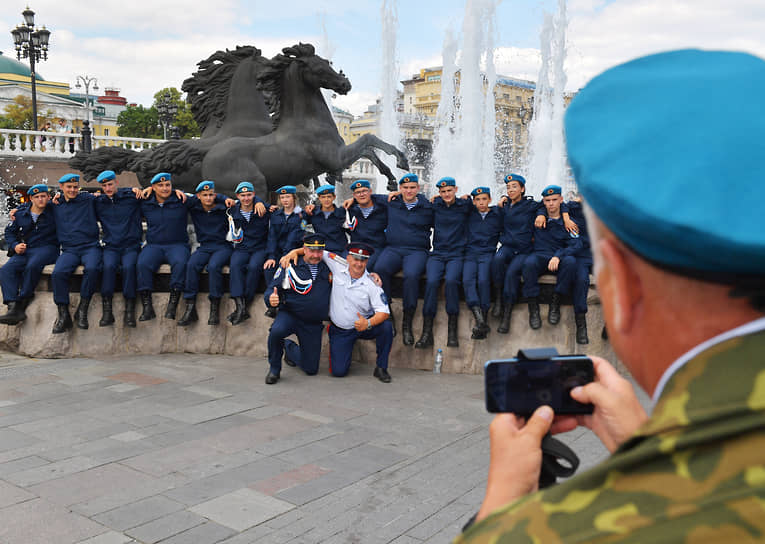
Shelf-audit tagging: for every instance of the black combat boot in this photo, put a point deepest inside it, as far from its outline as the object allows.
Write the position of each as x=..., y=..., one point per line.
x=452, y=340
x=426, y=340
x=499, y=302
x=15, y=313
x=214, y=318
x=129, y=312
x=535, y=320
x=190, y=313
x=406, y=328
x=553, y=315
x=172, y=303
x=64, y=321
x=504, y=325
x=81, y=314
x=581, y=329
x=237, y=316
x=147, y=312
x=481, y=328
x=107, y=317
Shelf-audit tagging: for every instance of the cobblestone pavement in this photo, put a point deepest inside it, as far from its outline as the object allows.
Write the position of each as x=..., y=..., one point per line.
x=182, y=448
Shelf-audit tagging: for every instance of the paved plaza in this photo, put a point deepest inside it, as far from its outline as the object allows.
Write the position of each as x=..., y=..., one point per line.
x=184, y=448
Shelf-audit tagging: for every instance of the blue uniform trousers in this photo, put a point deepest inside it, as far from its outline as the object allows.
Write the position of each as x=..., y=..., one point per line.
x=125, y=261
x=412, y=262
x=341, y=343
x=536, y=264
x=372, y=261
x=512, y=282
x=499, y=264
x=476, y=280
x=153, y=255
x=215, y=258
x=69, y=259
x=306, y=355
x=25, y=270
x=438, y=267
x=246, y=269
x=581, y=285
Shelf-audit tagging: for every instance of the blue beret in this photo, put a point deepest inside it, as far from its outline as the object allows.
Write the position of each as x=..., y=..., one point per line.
x=286, y=190
x=162, y=176
x=69, y=177
x=446, y=182
x=409, y=178
x=106, y=175
x=360, y=250
x=551, y=190
x=652, y=115
x=481, y=191
x=515, y=177
x=315, y=241
x=37, y=189
x=325, y=189
x=359, y=183
x=244, y=187
x=205, y=186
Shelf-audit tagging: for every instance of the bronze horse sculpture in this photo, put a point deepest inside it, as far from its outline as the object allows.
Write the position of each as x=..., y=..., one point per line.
x=262, y=120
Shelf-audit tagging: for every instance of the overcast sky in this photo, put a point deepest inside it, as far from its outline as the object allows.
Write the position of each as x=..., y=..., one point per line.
x=140, y=47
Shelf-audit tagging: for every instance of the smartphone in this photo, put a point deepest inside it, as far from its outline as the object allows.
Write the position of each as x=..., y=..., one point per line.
x=521, y=386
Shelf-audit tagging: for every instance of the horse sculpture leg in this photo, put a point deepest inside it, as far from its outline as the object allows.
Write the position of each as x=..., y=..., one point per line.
x=364, y=147
x=381, y=167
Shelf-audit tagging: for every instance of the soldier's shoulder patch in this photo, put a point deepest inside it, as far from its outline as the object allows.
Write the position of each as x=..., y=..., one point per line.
x=303, y=224
x=574, y=234
x=278, y=273
x=384, y=298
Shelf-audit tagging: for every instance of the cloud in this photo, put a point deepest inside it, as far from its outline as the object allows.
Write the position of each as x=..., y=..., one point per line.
x=355, y=102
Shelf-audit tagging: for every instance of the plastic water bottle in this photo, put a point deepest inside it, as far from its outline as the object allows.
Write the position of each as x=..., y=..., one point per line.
x=439, y=362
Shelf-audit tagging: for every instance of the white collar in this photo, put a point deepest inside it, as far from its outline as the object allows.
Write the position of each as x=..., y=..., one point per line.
x=747, y=328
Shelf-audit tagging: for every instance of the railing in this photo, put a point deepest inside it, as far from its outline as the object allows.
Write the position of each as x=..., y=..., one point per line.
x=39, y=144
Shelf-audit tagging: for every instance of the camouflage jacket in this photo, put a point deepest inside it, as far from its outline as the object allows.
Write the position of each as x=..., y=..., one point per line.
x=695, y=472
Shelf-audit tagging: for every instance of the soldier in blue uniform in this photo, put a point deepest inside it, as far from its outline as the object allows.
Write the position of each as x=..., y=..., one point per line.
x=410, y=220
x=554, y=250
x=119, y=211
x=328, y=220
x=302, y=293
x=167, y=240
x=445, y=260
x=285, y=233
x=483, y=229
x=249, y=251
x=208, y=213
x=77, y=231
x=31, y=237
x=368, y=218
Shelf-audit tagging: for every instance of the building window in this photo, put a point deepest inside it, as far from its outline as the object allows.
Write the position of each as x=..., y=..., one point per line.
x=434, y=78
x=106, y=132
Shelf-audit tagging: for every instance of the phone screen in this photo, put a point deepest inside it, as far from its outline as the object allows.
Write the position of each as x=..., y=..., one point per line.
x=522, y=386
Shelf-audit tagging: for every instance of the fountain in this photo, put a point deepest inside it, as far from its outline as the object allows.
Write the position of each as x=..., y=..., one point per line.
x=389, y=129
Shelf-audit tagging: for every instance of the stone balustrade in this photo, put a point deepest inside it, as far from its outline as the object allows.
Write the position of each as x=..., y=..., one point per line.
x=41, y=144
x=33, y=337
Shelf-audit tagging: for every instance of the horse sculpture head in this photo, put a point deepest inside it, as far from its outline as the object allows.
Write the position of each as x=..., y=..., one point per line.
x=316, y=71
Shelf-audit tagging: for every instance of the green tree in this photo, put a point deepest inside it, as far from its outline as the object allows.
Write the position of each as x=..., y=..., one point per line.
x=18, y=115
x=184, y=120
x=139, y=122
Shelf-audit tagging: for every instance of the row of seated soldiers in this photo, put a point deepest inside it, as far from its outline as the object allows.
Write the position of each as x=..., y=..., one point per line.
x=462, y=240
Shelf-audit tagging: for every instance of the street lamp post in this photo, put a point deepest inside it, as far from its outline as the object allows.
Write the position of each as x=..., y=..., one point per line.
x=33, y=44
x=167, y=110
x=86, y=81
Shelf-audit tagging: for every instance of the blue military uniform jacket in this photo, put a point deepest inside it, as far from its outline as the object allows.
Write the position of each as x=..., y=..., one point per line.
x=285, y=233
x=555, y=241
x=211, y=226
x=166, y=223
x=331, y=227
x=120, y=218
x=518, y=224
x=313, y=306
x=371, y=229
x=409, y=229
x=483, y=232
x=24, y=229
x=449, y=226
x=76, y=222
x=255, y=231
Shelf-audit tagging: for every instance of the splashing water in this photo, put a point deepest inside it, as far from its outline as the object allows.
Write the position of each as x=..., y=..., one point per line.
x=389, y=128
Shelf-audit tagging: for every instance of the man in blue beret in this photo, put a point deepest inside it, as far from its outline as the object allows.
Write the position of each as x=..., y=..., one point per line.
x=119, y=212
x=367, y=218
x=683, y=294
x=302, y=293
x=407, y=236
x=328, y=220
x=77, y=231
x=31, y=238
x=250, y=222
x=445, y=261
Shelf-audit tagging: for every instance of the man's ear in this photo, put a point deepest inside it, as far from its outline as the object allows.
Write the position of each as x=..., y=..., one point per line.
x=620, y=285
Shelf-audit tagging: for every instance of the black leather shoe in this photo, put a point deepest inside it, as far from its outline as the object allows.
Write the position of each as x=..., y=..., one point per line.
x=129, y=312
x=64, y=321
x=147, y=312
x=382, y=374
x=271, y=378
x=81, y=314
x=107, y=317
x=190, y=313
x=288, y=361
x=581, y=329
x=271, y=312
x=172, y=303
x=554, y=314
x=535, y=320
